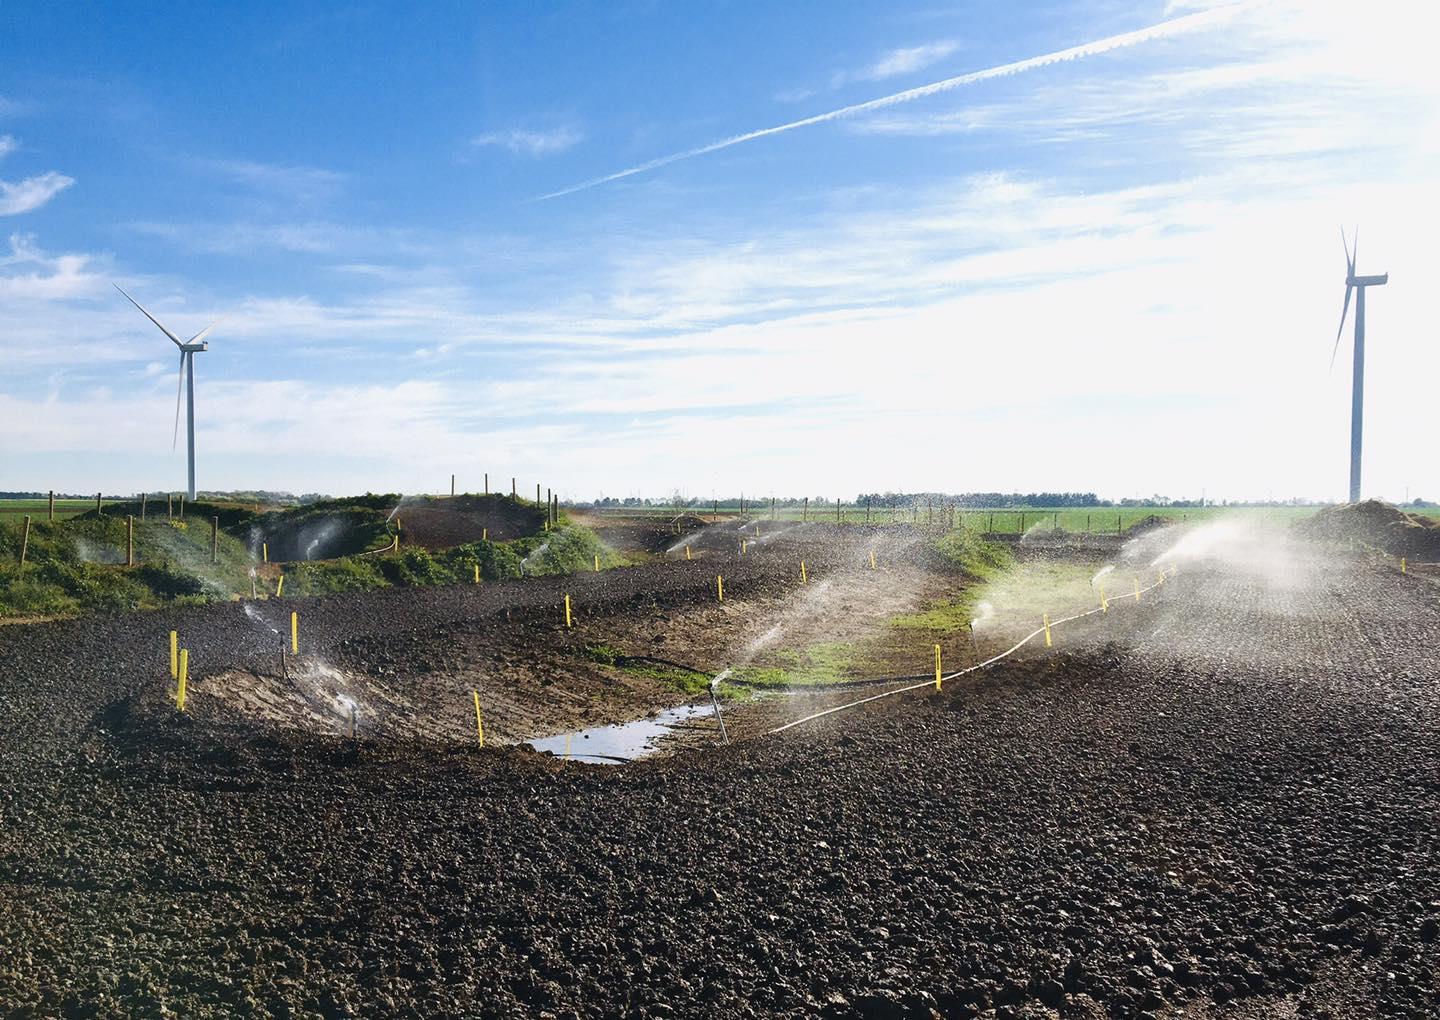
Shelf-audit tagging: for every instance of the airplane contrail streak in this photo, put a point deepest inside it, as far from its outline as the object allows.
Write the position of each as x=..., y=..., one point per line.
x=1174, y=26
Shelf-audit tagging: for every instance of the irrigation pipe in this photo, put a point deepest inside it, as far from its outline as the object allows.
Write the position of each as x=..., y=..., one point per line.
x=959, y=673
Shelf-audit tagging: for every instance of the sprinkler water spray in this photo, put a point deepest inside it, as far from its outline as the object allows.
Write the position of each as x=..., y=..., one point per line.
x=715, y=700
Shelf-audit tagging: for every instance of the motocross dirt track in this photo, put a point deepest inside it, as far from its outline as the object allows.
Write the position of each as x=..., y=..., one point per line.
x=1221, y=801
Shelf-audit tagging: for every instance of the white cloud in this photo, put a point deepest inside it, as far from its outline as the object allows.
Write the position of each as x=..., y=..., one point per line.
x=31, y=193
x=526, y=142
x=7, y=145
x=906, y=60
x=302, y=184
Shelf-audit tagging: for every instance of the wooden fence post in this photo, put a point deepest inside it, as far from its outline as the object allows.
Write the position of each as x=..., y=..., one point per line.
x=97, y=504
x=25, y=541
x=452, y=486
x=52, y=506
x=129, y=541
x=215, y=540
x=143, y=497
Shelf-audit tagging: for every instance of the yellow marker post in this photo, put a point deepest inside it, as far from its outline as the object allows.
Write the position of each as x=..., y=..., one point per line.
x=597, y=563
x=567, y=610
x=1104, y=602
x=567, y=745
x=687, y=552
x=184, y=679
x=479, y=723
x=1137, y=589
x=872, y=559
x=937, y=667
x=804, y=577
x=294, y=633
x=265, y=552
x=1045, y=618
x=477, y=573
x=742, y=547
x=280, y=586
x=719, y=588
x=484, y=534
x=174, y=655
x=1402, y=564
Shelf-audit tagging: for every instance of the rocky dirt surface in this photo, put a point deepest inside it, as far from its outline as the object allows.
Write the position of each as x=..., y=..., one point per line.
x=1220, y=802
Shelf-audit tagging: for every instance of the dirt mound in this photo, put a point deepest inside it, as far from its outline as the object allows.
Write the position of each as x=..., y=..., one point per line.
x=1148, y=524
x=1376, y=524
x=458, y=520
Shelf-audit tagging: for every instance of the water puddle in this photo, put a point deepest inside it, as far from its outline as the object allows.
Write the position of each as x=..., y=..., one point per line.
x=621, y=742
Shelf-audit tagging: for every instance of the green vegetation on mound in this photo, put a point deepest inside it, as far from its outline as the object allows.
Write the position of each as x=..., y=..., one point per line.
x=78, y=566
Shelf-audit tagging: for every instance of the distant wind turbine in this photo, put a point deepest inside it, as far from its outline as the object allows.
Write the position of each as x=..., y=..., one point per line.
x=188, y=350
x=1357, y=393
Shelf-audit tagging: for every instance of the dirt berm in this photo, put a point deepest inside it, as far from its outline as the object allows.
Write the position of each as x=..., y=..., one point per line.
x=1377, y=524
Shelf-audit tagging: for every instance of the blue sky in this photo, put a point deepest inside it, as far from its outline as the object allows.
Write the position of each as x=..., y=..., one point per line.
x=1118, y=271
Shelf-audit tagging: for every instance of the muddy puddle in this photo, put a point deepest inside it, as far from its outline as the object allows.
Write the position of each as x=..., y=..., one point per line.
x=620, y=743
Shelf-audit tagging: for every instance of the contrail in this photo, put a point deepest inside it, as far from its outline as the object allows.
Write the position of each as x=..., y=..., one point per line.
x=1175, y=26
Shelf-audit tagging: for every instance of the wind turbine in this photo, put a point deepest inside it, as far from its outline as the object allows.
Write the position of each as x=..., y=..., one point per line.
x=1357, y=393
x=188, y=350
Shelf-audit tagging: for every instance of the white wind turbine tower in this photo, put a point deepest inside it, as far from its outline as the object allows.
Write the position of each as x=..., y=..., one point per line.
x=188, y=350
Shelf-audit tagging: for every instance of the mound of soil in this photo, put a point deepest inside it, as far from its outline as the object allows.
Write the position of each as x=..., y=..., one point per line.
x=1376, y=524
x=458, y=520
x=1148, y=524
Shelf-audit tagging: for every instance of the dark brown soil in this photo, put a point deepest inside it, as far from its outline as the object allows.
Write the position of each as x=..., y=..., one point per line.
x=440, y=523
x=1218, y=803
x=1378, y=525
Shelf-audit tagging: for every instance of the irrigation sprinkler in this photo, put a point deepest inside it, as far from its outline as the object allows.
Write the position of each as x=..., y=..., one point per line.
x=974, y=643
x=715, y=701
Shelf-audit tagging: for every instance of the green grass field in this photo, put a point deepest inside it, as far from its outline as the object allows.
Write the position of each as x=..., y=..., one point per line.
x=39, y=509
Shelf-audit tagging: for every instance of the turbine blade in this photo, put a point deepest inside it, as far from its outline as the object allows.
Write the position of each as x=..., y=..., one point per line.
x=200, y=336
x=1344, y=311
x=1355, y=251
x=152, y=318
x=179, y=385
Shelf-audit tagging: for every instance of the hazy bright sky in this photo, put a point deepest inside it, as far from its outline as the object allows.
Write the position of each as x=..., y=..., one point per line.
x=1119, y=271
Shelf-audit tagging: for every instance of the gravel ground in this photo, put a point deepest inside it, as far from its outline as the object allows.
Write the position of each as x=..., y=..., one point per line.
x=1220, y=802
